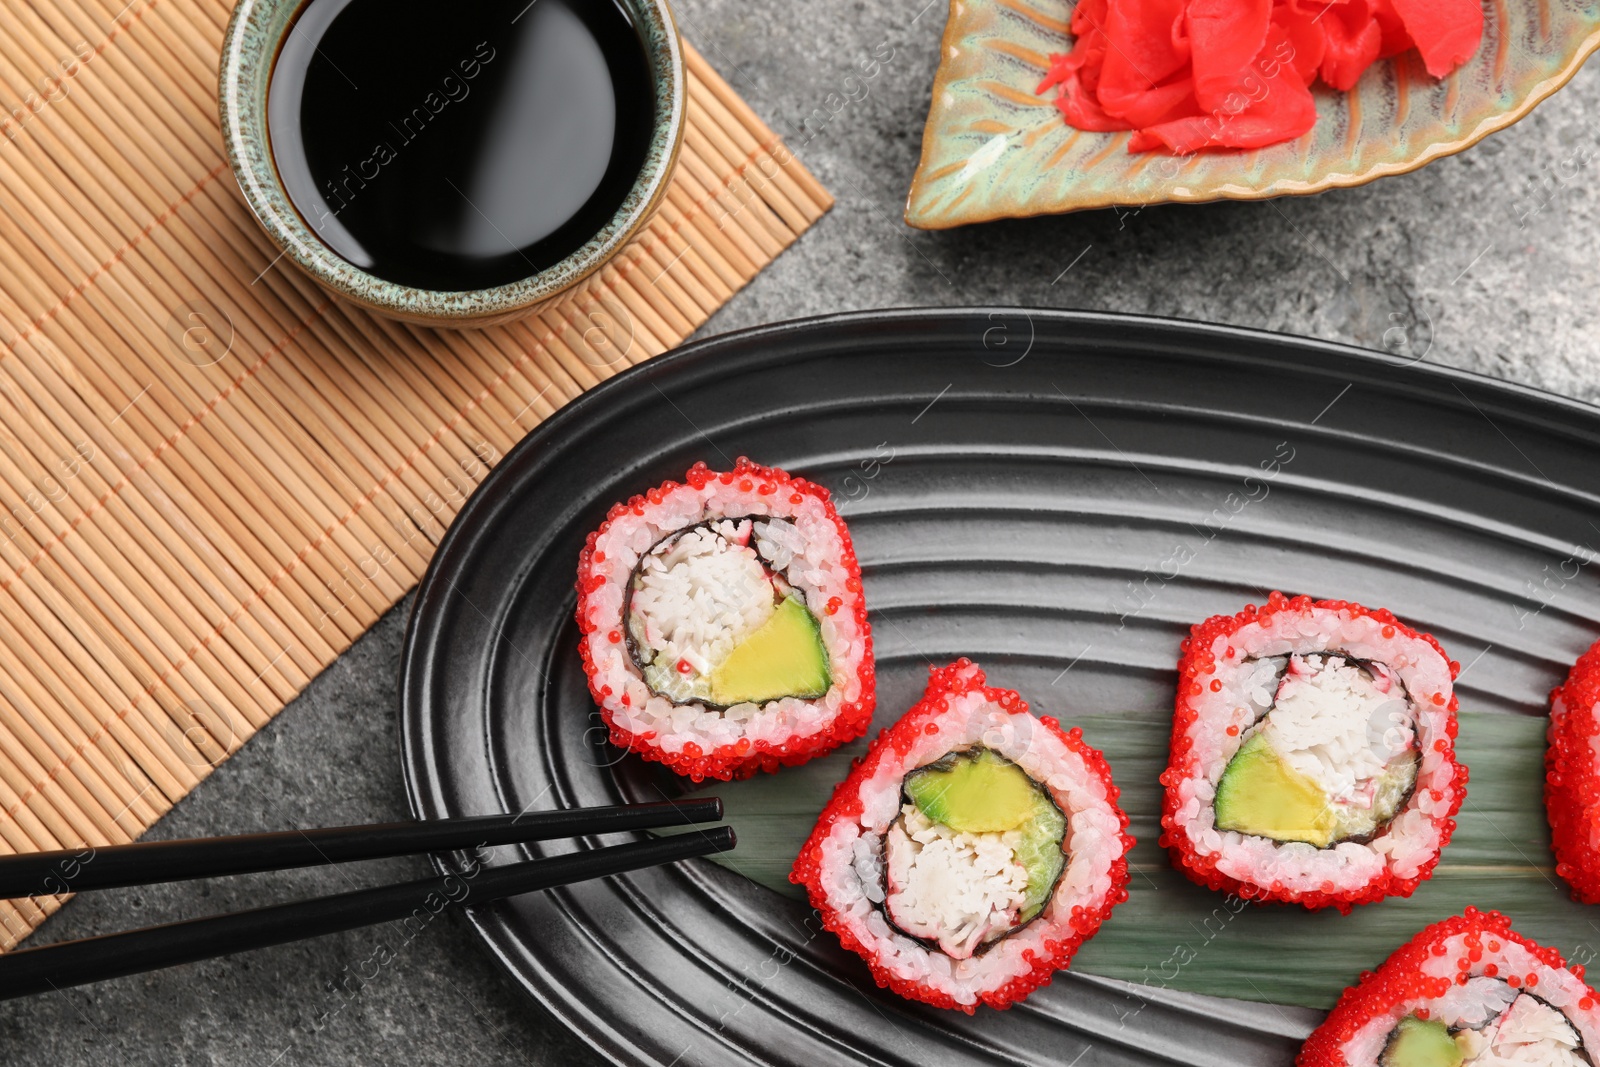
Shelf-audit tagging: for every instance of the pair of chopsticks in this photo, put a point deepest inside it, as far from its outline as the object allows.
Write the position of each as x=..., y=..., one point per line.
x=92, y=959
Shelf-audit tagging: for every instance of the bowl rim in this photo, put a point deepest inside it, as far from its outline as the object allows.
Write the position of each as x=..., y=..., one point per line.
x=249, y=52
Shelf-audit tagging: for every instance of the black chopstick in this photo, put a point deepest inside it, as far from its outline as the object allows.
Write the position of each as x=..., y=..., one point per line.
x=39, y=970
x=111, y=867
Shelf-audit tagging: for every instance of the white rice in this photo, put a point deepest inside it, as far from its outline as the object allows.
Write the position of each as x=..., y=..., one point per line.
x=851, y=870
x=807, y=548
x=950, y=887
x=1412, y=838
x=1526, y=1032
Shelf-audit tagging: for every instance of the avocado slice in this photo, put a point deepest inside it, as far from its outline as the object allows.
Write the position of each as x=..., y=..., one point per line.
x=1421, y=1043
x=980, y=791
x=1260, y=794
x=976, y=792
x=784, y=657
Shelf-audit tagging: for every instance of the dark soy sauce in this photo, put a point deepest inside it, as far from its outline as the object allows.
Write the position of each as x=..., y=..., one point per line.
x=453, y=146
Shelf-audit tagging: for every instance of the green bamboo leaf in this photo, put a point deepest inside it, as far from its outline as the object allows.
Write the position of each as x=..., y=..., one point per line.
x=1174, y=934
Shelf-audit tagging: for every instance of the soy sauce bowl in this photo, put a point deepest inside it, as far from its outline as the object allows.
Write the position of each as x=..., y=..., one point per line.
x=250, y=48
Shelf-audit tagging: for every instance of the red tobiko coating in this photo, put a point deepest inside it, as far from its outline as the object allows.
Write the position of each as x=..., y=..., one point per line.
x=1199, y=660
x=1191, y=75
x=892, y=745
x=1400, y=979
x=744, y=757
x=1572, y=777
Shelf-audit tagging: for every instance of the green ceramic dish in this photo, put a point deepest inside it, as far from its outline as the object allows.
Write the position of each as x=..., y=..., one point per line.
x=249, y=50
x=993, y=149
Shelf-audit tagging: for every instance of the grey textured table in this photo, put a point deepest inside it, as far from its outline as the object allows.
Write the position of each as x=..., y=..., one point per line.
x=1487, y=261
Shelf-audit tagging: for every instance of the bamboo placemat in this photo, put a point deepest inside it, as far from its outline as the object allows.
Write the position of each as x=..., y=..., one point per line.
x=213, y=477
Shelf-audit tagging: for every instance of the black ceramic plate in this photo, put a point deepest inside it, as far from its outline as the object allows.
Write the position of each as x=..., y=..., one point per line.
x=1015, y=483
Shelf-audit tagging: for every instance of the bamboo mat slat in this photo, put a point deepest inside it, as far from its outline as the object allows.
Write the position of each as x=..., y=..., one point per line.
x=213, y=478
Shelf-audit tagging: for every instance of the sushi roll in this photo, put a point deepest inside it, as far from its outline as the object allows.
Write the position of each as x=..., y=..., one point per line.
x=971, y=851
x=1572, y=778
x=722, y=625
x=1465, y=992
x=1313, y=754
